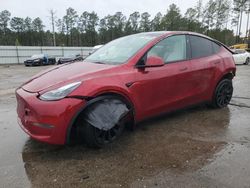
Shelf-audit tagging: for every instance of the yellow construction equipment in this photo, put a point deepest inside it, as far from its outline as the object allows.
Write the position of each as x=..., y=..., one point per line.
x=239, y=46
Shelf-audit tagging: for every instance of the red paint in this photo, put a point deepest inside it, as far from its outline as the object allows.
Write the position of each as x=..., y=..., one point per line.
x=154, y=90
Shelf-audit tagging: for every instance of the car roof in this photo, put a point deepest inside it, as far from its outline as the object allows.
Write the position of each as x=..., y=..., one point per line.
x=162, y=34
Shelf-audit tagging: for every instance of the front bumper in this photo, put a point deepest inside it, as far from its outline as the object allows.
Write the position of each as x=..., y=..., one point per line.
x=46, y=121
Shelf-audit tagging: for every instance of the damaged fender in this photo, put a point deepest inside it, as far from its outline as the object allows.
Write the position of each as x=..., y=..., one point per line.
x=105, y=114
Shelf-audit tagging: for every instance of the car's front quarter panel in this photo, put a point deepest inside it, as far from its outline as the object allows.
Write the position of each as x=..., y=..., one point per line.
x=109, y=82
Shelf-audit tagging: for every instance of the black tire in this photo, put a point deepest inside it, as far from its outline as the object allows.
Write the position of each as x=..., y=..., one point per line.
x=223, y=94
x=247, y=61
x=96, y=138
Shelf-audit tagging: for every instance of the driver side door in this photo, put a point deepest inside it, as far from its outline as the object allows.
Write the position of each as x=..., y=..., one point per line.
x=165, y=88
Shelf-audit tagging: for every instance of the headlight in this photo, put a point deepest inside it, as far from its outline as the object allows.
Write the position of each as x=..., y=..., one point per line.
x=59, y=93
x=37, y=60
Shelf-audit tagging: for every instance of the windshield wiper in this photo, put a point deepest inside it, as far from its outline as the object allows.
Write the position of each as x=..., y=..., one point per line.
x=99, y=62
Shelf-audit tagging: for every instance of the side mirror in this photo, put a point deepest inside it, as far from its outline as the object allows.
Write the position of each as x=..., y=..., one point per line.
x=152, y=61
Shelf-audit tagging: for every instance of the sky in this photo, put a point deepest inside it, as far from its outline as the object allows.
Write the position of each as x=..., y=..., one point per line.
x=40, y=8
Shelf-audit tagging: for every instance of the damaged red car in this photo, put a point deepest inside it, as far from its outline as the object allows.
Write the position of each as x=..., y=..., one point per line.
x=126, y=81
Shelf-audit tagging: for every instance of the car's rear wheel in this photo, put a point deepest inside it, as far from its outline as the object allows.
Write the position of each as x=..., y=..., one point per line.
x=223, y=94
x=247, y=61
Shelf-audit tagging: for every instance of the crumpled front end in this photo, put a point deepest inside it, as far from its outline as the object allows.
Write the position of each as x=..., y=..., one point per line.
x=46, y=121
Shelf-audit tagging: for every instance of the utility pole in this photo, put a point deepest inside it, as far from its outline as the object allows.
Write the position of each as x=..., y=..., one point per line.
x=247, y=28
x=237, y=28
x=247, y=24
x=241, y=12
x=52, y=17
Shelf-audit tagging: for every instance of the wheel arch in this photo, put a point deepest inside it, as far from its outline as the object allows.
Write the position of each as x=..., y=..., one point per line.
x=228, y=75
x=98, y=97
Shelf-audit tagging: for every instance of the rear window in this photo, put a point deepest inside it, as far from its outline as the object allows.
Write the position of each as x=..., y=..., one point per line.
x=200, y=47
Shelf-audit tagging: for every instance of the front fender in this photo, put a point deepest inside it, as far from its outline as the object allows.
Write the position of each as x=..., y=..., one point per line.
x=113, y=90
x=93, y=90
x=94, y=99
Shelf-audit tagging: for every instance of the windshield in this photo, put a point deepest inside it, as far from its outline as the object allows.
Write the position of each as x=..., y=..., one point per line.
x=120, y=50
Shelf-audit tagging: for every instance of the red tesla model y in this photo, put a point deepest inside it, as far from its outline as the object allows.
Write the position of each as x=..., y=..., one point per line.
x=127, y=80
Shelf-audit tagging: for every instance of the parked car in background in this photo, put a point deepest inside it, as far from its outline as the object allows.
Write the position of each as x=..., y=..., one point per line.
x=40, y=59
x=241, y=56
x=126, y=81
x=70, y=58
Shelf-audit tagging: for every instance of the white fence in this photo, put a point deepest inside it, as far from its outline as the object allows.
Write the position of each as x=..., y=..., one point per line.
x=18, y=54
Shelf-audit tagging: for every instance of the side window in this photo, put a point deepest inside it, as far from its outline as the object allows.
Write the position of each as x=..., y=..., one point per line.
x=200, y=47
x=216, y=47
x=170, y=49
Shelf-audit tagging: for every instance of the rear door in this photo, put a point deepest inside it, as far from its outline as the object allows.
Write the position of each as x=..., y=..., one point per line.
x=204, y=62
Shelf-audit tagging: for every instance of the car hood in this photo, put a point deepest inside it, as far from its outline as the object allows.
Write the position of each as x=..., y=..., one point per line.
x=64, y=74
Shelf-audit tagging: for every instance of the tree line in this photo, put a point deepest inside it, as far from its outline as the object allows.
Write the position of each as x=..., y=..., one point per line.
x=216, y=18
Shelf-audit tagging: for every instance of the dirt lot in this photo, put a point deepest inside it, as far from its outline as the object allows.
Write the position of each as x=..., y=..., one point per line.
x=198, y=147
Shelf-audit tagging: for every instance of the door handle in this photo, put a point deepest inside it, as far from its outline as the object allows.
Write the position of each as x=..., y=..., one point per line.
x=183, y=69
x=129, y=84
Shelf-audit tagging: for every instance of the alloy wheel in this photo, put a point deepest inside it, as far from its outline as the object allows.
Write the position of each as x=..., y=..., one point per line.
x=224, y=94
